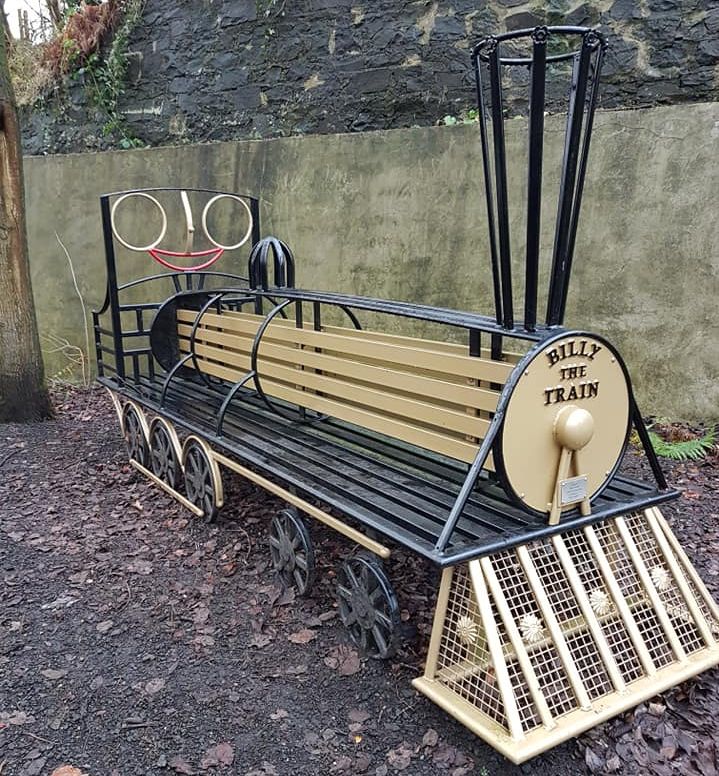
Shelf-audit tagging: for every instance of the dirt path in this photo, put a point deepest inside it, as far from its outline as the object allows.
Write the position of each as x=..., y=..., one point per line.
x=135, y=641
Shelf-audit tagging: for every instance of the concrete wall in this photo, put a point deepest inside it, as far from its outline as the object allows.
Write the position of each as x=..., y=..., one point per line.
x=400, y=214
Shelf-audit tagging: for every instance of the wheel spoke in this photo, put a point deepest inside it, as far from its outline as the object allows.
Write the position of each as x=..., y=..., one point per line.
x=379, y=640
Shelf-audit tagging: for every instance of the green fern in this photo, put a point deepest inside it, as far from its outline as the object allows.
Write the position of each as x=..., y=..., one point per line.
x=685, y=450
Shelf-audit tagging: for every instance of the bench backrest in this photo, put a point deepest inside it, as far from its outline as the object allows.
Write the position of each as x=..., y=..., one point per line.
x=427, y=393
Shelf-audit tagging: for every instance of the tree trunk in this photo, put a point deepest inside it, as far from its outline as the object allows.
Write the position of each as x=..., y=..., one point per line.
x=23, y=396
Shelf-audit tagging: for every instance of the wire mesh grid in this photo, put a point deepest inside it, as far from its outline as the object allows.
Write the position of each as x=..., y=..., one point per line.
x=642, y=611
x=665, y=585
x=464, y=663
x=551, y=615
x=613, y=627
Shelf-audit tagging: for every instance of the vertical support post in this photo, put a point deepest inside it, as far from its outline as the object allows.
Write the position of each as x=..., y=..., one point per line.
x=575, y=118
x=500, y=171
x=488, y=190
x=112, y=291
x=534, y=182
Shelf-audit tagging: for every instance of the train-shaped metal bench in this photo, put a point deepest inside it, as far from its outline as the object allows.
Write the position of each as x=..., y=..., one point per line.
x=492, y=450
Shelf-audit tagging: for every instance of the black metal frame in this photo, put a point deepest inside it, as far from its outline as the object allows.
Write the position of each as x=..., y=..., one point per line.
x=583, y=93
x=441, y=508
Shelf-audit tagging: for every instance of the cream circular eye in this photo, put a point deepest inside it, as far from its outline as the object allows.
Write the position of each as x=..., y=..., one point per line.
x=207, y=231
x=128, y=245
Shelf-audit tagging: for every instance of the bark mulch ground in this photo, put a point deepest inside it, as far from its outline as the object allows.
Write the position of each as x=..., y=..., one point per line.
x=135, y=640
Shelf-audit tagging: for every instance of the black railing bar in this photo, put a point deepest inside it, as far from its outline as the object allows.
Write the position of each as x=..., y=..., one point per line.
x=534, y=182
x=488, y=190
x=124, y=308
x=558, y=29
x=471, y=480
x=581, y=175
x=566, y=191
x=408, y=310
x=452, y=558
x=500, y=174
x=177, y=188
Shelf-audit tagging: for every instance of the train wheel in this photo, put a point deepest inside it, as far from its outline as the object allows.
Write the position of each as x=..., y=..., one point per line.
x=164, y=460
x=200, y=484
x=291, y=551
x=368, y=606
x=133, y=428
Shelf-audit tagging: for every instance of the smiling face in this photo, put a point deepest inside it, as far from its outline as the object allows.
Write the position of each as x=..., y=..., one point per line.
x=152, y=212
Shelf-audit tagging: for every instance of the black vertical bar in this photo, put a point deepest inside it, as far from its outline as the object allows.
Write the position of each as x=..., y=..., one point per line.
x=534, y=181
x=98, y=343
x=488, y=190
x=500, y=170
x=496, y=347
x=581, y=174
x=112, y=286
x=475, y=342
x=255, y=211
x=566, y=191
x=317, y=315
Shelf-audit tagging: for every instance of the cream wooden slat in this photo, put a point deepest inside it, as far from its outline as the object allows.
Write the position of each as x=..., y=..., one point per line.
x=409, y=409
x=438, y=391
x=430, y=440
x=353, y=345
x=381, y=336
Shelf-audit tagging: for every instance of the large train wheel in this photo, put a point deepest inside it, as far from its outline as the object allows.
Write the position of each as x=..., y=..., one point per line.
x=134, y=429
x=202, y=484
x=368, y=606
x=164, y=457
x=291, y=550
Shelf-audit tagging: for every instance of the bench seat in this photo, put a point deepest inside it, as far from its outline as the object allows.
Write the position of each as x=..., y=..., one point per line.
x=398, y=490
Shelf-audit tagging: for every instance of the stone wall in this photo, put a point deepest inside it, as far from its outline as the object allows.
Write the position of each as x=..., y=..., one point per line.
x=204, y=70
x=400, y=214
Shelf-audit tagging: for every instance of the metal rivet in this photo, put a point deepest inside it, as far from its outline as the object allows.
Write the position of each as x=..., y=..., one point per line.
x=526, y=372
x=614, y=360
x=521, y=495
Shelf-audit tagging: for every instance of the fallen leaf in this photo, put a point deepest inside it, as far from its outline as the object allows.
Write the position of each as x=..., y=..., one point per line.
x=344, y=659
x=105, y=626
x=180, y=765
x=430, y=738
x=279, y=714
x=154, y=686
x=303, y=636
x=54, y=673
x=260, y=640
x=401, y=757
x=357, y=715
x=220, y=754
x=67, y=770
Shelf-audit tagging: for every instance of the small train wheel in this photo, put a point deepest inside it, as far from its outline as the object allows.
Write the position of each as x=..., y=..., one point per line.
x=291, y=551
x=164, y=461
x=368, y=606
x=133, y=429
x=199, y=481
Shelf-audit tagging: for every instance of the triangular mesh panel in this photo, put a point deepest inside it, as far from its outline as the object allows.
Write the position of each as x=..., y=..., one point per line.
x=533, y=645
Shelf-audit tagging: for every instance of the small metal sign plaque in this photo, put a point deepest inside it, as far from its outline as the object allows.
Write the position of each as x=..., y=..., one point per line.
x=572, y=490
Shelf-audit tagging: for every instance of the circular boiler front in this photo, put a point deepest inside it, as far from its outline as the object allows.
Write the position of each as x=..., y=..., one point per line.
x=568, y=417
